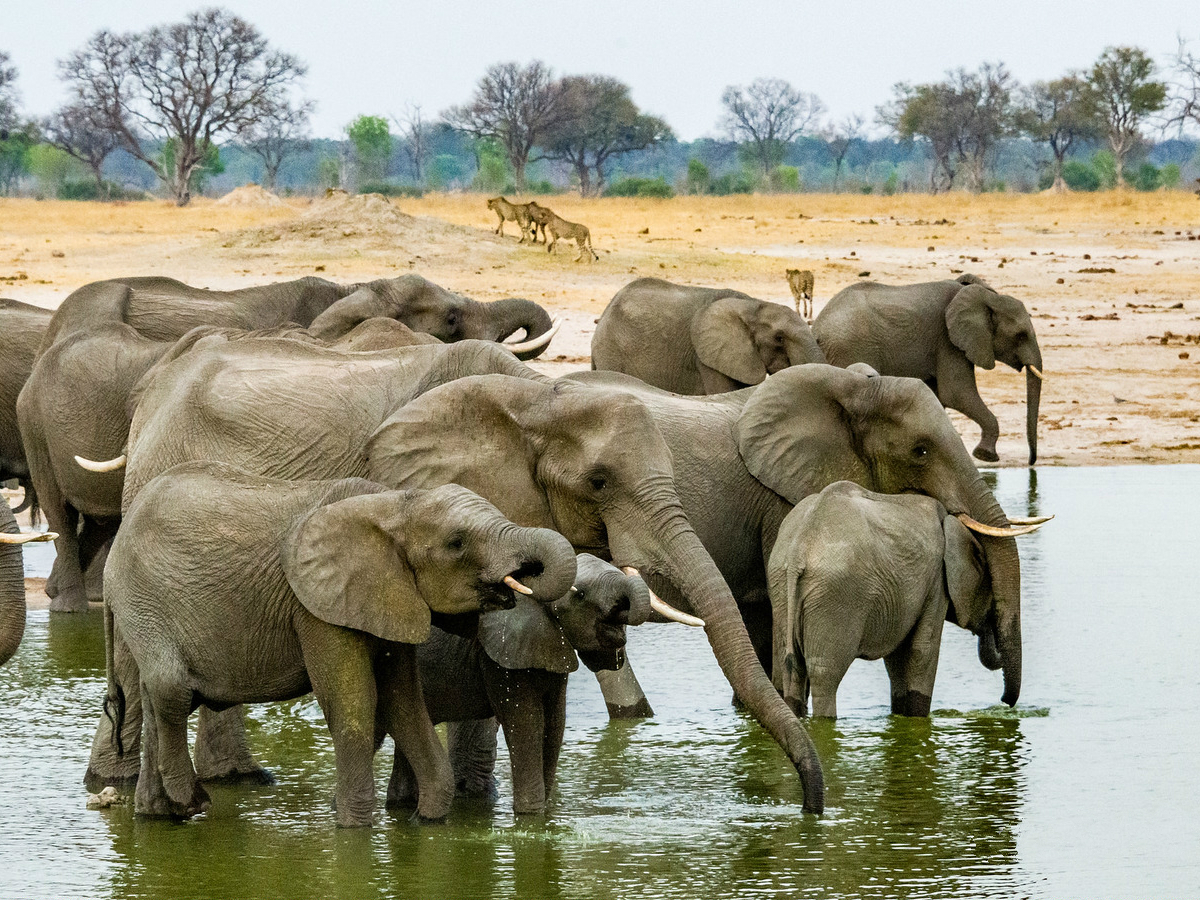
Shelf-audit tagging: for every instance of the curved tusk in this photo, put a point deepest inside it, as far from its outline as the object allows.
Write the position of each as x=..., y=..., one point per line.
x=993, y=531
x=662, y=607
x=108, y=465
x=517, y=586
x=1036, y=371
x=536, y=343
x=29, y=537
x=1029, y=520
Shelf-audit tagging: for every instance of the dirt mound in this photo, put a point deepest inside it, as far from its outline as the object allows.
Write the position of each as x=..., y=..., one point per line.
x=250, y=195
x=361, y=210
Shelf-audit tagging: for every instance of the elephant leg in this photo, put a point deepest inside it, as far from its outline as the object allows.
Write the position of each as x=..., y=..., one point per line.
x=556, y=723
x=167, y=785
x=222, y=751
x=402, y=786
x=825, y=673
x=518, y=703
x=912, y=667
x=402, y=709
x=106, y=765
x=957, y=390
x=69, y=583
x=473, y=745
x=93, y=578
x=623, y=695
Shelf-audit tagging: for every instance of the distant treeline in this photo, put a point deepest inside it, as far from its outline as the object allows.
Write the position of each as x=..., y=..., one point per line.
x=134, y=126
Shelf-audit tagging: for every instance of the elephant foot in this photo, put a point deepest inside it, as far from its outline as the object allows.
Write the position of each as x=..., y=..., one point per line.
x=73, y=600
x=222, y=752
x=985, y=454
x=640, y=709
x=253, y=775
x=478, y=788
x=96, y=779
x=156, y=804
x=911, y=703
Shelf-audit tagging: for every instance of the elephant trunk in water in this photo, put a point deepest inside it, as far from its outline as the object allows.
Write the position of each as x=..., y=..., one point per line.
x=667, y=545
x=1004, y=565
x=508, y=316
x=1033, y=400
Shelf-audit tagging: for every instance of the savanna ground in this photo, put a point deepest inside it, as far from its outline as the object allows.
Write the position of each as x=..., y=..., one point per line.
x=1121, y=343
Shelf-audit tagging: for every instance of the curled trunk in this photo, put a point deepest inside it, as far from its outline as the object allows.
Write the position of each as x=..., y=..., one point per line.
x=507, y=317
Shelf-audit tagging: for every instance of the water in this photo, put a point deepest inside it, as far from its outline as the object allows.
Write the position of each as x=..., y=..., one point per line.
x=1089, y=792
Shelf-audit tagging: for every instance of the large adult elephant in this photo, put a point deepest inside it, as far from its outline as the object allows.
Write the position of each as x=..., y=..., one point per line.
x=698, y=340
x=938, y=331
x=12, y=581
x=592, y=465
x=22, y=328
x=163, y=309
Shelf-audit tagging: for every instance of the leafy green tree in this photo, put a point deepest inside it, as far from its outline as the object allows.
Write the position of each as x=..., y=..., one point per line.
x=15, y=144
x=1080, y=176
x=372, y=141
x=1126, y=94
x=1061, y=114
x=8, y=94
x=52, y=167
x=698, y=179
x=492, y=172
x=1104, y=164
x=767, y=115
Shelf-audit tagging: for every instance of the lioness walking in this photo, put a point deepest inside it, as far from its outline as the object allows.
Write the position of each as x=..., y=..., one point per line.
x=511, y=212
x=558, y=227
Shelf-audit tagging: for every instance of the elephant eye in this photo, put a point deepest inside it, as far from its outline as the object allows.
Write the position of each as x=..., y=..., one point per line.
x=598, y=482
x=920, y=451
x=455, y=544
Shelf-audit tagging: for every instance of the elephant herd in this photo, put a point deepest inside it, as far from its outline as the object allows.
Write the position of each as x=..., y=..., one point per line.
x=362, y=491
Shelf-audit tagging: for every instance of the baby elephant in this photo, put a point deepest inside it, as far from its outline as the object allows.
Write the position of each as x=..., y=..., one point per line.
x=859, y=574
x=229, y=588
x=515, y=668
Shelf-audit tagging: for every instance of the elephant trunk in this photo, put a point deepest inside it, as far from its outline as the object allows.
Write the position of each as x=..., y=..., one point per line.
x=1004, y=566
x=1033, y=400
x=12, y=589
x=667, y=545
x=503, y=318
x=544, y=563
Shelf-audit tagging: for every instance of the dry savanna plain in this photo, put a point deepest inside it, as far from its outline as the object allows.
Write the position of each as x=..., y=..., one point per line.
x=1112, y=280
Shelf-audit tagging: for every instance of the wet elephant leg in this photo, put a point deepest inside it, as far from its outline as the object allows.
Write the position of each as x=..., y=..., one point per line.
x=912, y=667
x=222, y=750
x=167, y=785
x=107, y=765
x=93, y=578
x=473, y=746
x=71, y=593
x=623, y=695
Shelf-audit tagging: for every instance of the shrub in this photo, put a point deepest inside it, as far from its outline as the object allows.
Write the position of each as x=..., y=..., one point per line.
x=786, y=179
x=1147, y=177
x=1105, y=166
x=1169, y=176
x=1079, y=176
x=867, y=189
x=541, y=188
x=891, y=184
x=698, y=180
x=731, y=183
x=88, y=190
x=391, y=190
x=640, y=187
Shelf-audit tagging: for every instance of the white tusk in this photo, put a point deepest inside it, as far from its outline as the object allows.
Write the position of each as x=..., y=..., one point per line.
x=1029, y=520
x=108, y=465
x=662, y=607
x=993, y=531
x=536, y=343
x=516, y=585
x=1036, y=371
x=28, y=537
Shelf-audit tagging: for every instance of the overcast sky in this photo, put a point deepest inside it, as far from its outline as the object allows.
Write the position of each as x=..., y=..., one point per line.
x=677, y=56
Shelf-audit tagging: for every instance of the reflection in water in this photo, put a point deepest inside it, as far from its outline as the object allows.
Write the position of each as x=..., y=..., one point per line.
x=1093, y=799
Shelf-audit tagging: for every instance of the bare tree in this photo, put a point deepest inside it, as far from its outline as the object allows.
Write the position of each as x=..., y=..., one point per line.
x=1059, y=113
x=514, y=105
x=8, y=94
x=414, y=138
x=1126, y=94
x=181, y=87
x=768, y=114
x=1187, y=90
x=280, y=132
x=81, y=131
x=840, y=137
x=926, y=112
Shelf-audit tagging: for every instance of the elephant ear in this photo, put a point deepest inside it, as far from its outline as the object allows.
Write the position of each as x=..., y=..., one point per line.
x=969, y=321
x=796, y=434
x=472, y=432
x=341, y=317
x=966, y=574
x=526, y=637
x=346, y=565
x=723, y=341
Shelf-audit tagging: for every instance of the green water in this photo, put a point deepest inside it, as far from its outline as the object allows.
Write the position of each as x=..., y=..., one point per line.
x=1089, y=790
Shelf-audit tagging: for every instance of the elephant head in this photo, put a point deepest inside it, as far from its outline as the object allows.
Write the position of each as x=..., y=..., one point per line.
x=426, y=307
x=596, y=469
x=746, y=340
x=12, y=581
x=987, y=326
x=382, y=562
x=590, y=620
x=810, y=426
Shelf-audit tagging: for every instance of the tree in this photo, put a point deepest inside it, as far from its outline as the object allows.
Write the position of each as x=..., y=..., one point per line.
x=372, y=142
x=516, y=106
x=16, y=137
x=1061, y=114
x=597, y=121
x=8, y=95
x=280, y=132
x=768, y=115
x=210, y=76
x=926, y=111
x=81, y=131
x=841, y=138
x=414, y=137
x=1187, y=97
x=1125, y=93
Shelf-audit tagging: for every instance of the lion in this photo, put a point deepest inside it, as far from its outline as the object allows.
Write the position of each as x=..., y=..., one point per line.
x=558, y=227
x=516, y=212
x=801, y=283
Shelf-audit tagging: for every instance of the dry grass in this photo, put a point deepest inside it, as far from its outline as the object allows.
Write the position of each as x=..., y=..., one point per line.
x=1112, y=394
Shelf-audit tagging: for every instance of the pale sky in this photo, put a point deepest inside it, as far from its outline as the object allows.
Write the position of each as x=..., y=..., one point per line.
x=677, y=56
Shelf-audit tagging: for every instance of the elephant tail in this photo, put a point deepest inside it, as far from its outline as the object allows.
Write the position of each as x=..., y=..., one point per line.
x=114, y=698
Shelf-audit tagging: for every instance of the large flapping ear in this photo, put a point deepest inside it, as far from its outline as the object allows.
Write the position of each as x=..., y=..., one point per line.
x=526, y=637
x=969, y=321
x=364, y=303
x=723, y=340
x=796, y=433
x=474, y=432
x=966, y=572
x=346, y=565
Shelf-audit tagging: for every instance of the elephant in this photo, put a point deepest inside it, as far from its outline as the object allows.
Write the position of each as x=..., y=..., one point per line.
x=592, y=466
x=22, y=328
x=163, y=309
x=12, y=581
x=516, y=666
x=697, y=340
x=938, y=331
x=858, y=574
x=228, y=588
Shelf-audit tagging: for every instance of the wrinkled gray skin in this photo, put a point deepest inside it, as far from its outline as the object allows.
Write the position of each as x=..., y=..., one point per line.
x=163, y=309
x=227, y=588
x=937, y=331
x=593, y=466
x=855, y=574
x=12, y=588
x=697, y=340
x=22, y=328
x=515, y=668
